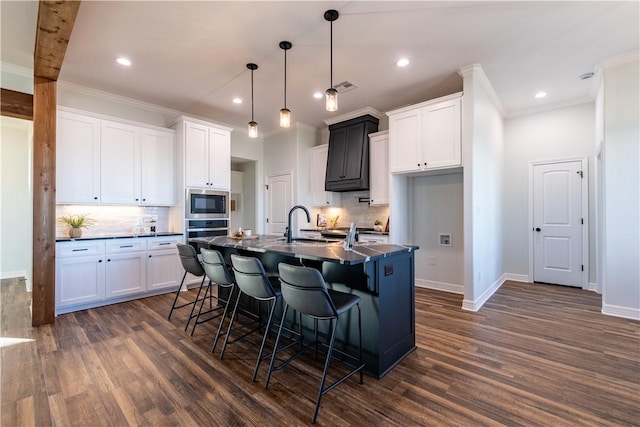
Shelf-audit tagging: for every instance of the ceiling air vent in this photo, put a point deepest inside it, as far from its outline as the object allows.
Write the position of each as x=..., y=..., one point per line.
x=344, y=86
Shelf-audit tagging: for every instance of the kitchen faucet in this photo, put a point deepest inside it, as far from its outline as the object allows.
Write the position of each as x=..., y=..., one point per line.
x=289, y=220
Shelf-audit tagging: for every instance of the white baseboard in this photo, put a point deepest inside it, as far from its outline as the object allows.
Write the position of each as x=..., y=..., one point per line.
x=10, y=274
x=476, y=304
x=440, y=286
x=593, y=286
x=517, y=277
x=28, y=285
x=618, y=311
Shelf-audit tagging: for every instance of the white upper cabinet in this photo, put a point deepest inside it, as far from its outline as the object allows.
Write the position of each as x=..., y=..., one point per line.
x=77, y=159
x=426, y=136
x=379, y=168
x=120, y=161
x=207, y=156
x=319, y=196
x=157, y=168
x=111, y=162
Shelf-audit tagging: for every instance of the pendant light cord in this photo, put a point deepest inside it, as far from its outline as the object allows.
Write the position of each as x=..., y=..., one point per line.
x=331, y=55
x=285, y=79
x=252, y=95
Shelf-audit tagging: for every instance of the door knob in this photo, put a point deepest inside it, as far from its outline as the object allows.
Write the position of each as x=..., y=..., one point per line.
x=538, y=229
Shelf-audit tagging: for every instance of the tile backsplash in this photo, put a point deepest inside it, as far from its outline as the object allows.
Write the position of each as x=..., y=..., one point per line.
x=353, y=210
x=115, y=219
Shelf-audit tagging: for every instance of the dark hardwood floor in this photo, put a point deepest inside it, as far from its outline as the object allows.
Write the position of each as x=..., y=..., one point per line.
x=533, y=355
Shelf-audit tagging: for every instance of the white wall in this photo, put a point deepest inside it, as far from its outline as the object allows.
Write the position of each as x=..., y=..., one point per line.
x=16, y=206
x=556, y=134
x=438, y=208
x=482, y=150
x=621, y=288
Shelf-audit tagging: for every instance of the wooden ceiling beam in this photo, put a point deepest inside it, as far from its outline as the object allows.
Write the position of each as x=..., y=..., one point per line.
x=16, y=104
x=55, y=23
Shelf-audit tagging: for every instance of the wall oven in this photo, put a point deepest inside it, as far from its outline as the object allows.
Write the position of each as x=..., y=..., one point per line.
x=206, y=228
x=206, y=204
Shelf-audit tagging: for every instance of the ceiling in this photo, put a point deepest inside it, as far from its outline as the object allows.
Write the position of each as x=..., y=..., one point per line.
x=192, y=56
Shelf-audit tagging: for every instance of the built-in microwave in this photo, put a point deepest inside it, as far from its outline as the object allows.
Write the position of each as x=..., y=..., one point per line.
x=206, y=204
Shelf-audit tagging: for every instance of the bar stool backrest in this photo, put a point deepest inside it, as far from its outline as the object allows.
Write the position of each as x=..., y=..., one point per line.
x=215, y=267
x=189, y=259
x=304, y=289
x=251, y=277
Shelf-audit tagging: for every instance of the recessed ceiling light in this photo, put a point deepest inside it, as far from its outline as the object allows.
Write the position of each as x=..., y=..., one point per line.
x=318, y=95
x=237, y=100
x=123, y=61
x=402, y=62
x=540, y=95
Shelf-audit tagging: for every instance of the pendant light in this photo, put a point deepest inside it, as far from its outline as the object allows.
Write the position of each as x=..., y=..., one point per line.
x=331, y=95
x=285, y=114
x=253, y=126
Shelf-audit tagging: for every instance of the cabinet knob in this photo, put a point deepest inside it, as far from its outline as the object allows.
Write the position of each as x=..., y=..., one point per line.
x=425, y=163
x=108, y=259
x=99, y=260
x=137, y=200
x=418, y=164
x=149, y=256
x=144, y=200
x=95, y=198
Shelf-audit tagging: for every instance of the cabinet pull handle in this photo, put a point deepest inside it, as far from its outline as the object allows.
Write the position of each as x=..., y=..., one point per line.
x=80, y=250
x=164, y=243
x=126, y=246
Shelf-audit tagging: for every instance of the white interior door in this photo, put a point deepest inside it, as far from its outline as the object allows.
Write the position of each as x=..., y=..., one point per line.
x=279, y=201
x=557, y=223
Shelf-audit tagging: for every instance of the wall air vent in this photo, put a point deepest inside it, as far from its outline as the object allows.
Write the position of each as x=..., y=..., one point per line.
x=344, y=87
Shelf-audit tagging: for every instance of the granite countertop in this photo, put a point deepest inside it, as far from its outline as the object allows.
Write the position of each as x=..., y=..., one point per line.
x=321, y=251
x=116, y=236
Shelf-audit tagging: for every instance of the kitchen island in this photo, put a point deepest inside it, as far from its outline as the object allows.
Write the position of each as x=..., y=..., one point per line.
x=381, y=274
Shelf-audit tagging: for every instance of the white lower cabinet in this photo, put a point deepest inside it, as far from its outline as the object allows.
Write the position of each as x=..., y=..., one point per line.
x=79, y=273
x=164, y=269
x=97, y=272
x=125, y=267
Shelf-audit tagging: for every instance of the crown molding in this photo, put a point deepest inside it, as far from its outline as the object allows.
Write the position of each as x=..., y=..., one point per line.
x=614, y=61
x=17, y=69
x=354, y=115
x=548, y=107
x=477, y=71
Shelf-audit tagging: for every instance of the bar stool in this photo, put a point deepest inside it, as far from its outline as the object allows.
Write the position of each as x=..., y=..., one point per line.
x=252, y=281
x=191, y=264
x=216, y=271
x=304, y=290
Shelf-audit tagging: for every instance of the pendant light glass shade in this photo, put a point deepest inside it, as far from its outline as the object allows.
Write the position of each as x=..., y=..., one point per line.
x=331, y=95
x=253, y=126
x=253, y=129
x=285, y=118
x=285, y=113
x=331, y=99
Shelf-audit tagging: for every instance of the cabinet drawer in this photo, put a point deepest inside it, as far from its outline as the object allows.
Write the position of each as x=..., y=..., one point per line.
x=126, y=245
x=373, y=238
x=163, y=243
x=68, y=249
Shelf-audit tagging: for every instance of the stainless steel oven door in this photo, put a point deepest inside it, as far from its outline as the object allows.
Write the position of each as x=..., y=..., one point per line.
x=206, y=204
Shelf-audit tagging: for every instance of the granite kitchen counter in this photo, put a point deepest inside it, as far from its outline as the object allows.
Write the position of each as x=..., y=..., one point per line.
x=116, y=236
x=305, y=249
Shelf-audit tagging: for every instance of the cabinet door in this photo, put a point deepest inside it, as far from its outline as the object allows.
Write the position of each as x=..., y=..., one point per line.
x=354, y=152
x=157, y=167
x=120, y=160
x=405, y=152
x=337, y=155
x=196, y=159
x=77, y=159
x=320, y=197
x=125, y=273
x=79, y=280
x=441, y=134
x=164, y=269
x=379, y=170
x=219, y=159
